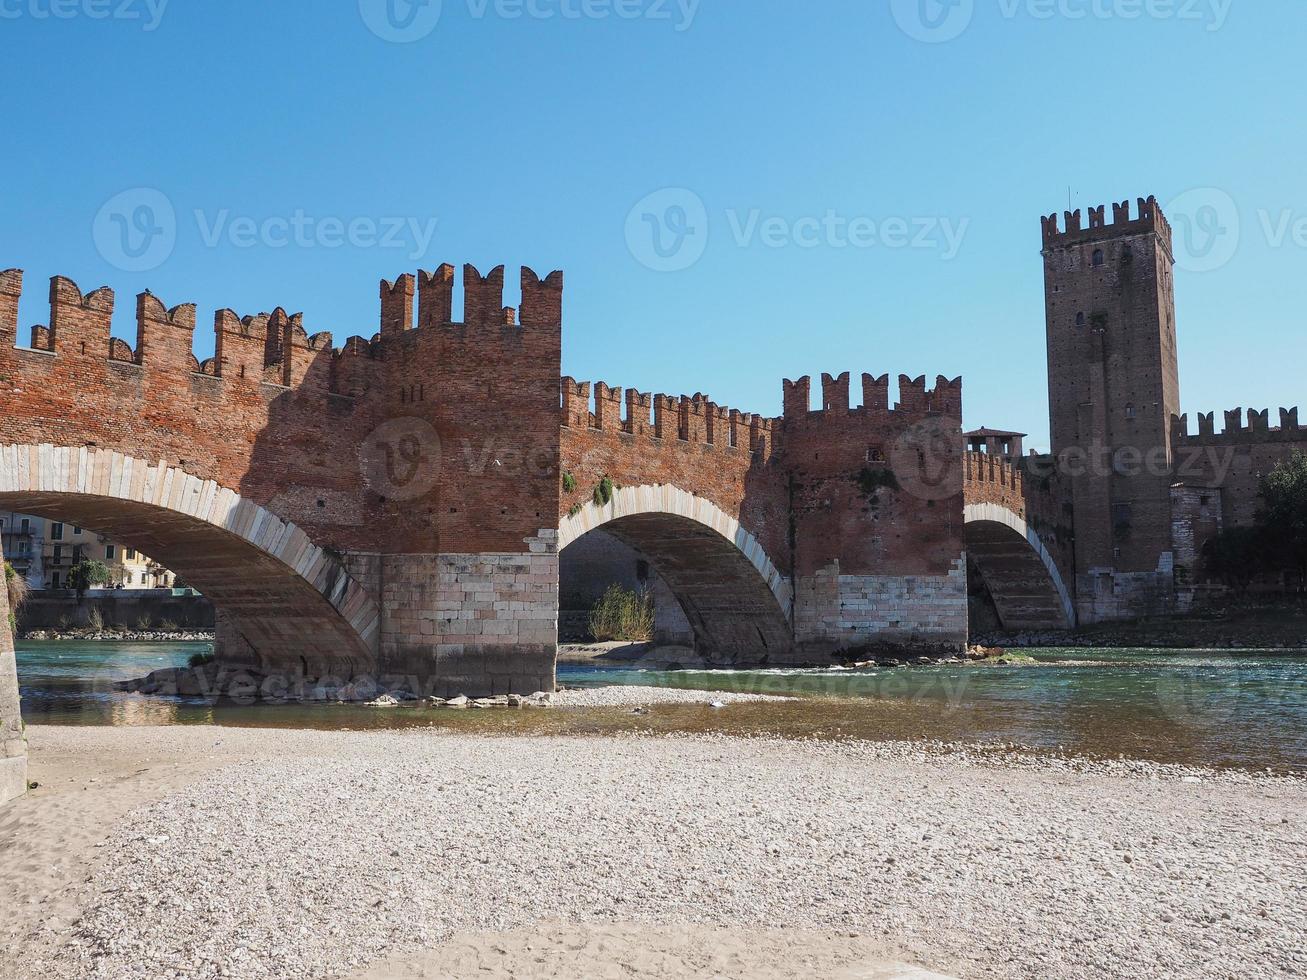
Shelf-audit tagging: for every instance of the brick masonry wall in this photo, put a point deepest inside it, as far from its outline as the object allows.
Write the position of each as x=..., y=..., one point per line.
x=1114, y=385
x=876, y=496
x=433, y=437
x=490, y=621
x=885, y=613
x=798, y=485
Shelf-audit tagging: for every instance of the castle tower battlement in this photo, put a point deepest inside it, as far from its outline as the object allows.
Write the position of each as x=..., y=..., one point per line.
x=1075, y=230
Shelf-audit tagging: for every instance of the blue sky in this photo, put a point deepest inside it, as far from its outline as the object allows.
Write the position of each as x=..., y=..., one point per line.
x=528, y=132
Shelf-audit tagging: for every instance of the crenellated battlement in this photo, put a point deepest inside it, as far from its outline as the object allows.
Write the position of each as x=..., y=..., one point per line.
x=1148, y=218
x=691, y=419
x=275, y=347
x=1252, y=426
x=914, y=397
x=990, y=468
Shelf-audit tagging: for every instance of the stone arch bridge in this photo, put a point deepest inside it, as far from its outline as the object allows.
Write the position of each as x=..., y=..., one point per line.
x=395, y=506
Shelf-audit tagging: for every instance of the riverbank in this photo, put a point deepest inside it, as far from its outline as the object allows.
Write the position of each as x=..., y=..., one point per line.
x=1268, y=625
x=269, y=853
x=110, y=635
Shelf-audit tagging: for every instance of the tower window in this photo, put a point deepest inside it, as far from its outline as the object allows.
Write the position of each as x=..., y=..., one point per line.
x=1080, y=319
x=1130, y=411
x=1098, y=257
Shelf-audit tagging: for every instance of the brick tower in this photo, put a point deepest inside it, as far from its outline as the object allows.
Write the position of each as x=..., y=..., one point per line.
x=1113, y=388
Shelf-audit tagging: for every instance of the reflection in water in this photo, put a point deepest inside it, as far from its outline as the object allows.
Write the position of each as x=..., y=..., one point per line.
x=1223, y=708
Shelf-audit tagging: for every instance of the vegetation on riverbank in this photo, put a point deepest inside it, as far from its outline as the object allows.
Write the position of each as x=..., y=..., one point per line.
x=623, y=614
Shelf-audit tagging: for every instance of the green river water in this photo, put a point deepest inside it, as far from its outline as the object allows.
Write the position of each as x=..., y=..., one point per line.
x=1224, y=708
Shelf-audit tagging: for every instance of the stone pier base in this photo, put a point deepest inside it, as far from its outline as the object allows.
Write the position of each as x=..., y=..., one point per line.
x=475, y=624
x=896, y=614
x=13, y=745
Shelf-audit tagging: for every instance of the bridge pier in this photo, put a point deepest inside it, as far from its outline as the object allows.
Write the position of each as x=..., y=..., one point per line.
x=474, y=624
x=13, y=744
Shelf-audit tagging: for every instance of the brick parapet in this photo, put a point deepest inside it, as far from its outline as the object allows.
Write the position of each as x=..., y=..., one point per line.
x=1147, y=219
x=1256, y=429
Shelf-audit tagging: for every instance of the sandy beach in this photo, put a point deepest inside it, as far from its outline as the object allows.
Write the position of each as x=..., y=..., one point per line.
x=206, y=852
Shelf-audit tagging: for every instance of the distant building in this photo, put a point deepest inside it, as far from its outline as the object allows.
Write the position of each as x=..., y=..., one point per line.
x=45, y=552
x=23, y=544
x=996, y=442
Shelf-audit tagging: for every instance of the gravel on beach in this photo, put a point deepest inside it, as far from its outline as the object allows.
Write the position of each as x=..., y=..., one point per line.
x=318, y=854
x=630, y=697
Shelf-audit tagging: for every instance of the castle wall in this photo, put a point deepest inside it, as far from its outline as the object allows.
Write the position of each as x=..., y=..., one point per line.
x=1218, y=476
x=871, y=560
x=1113, y=389
x=875, y=496
x=433, y=443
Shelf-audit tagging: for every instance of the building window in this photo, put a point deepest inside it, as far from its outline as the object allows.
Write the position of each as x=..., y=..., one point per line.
x=76, y=529
x=58, y=553
x=130, y=554
x=56, y=532
x=1130, y=411
x=1080, y=319
x=54, y=580
x=1098, y=257
x=26, y=525
x=130, y=578
x=1121, y=518
x=110, y=551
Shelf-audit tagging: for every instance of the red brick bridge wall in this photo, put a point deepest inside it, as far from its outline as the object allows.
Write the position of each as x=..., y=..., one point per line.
x=803, y=535
x=1016, y=543
x=357, y=504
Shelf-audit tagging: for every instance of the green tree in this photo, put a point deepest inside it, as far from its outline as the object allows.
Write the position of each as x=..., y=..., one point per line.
x=1235, y=557
x=1283, y=515
x=86, y=574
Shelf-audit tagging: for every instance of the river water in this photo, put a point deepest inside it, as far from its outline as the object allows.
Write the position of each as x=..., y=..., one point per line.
x=1224, y=708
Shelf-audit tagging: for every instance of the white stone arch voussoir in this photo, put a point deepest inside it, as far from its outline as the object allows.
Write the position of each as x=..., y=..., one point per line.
x=95, y=472
x=667, y=499
x=998, y=514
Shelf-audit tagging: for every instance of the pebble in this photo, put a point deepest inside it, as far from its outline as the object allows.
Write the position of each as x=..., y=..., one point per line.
x=974, y=860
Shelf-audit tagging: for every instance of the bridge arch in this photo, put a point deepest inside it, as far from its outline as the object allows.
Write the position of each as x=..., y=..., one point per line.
x=1023, y=579
x=290, y=601
x=737, y=601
